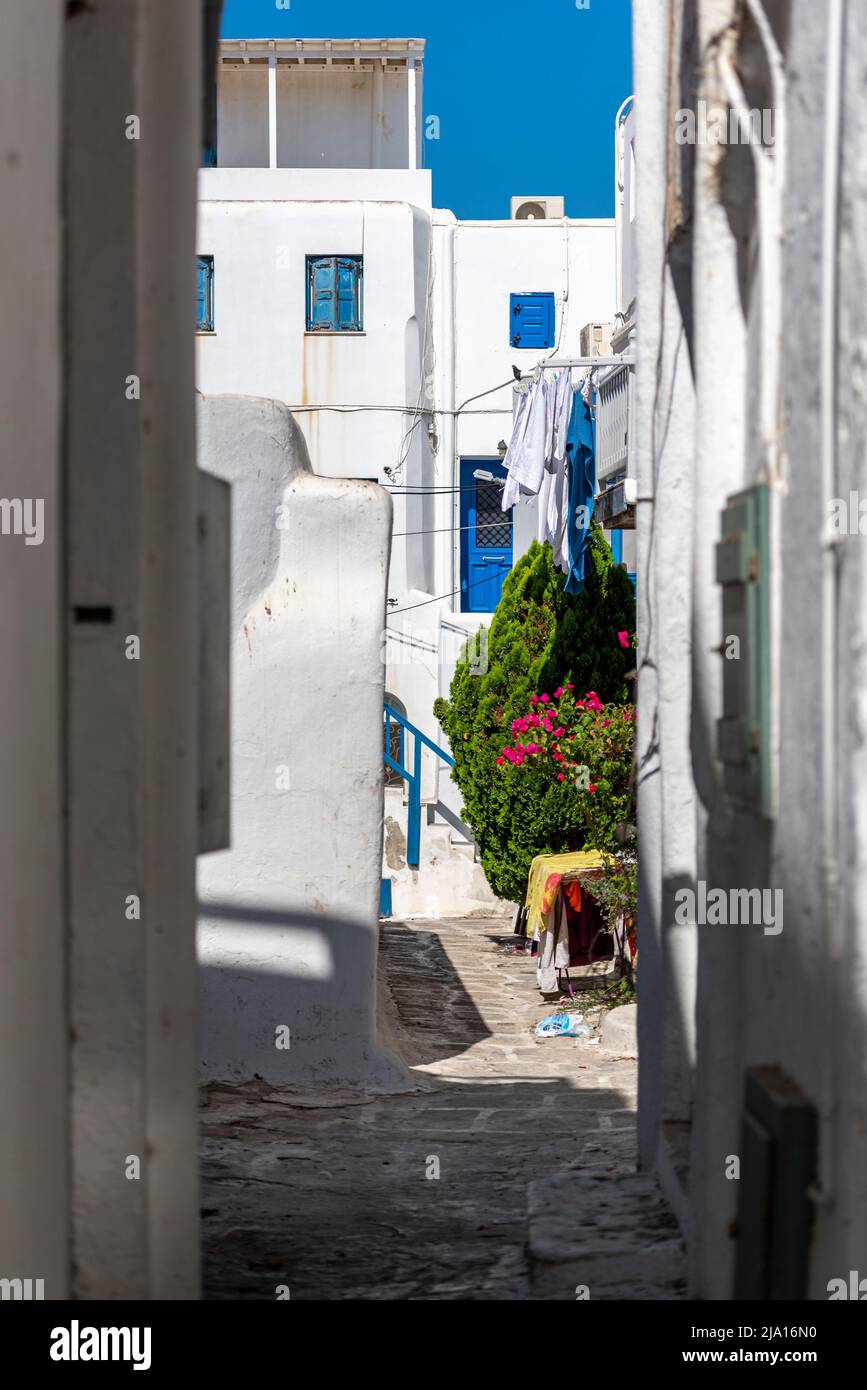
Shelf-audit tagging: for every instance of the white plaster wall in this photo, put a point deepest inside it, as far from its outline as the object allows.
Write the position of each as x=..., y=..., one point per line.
x=333, y=118
x=242, y=117
x=573, y=259
x=795, y=1000
x=664, y=429
x=846, y=1163
x=327, y=117
x=288, y=927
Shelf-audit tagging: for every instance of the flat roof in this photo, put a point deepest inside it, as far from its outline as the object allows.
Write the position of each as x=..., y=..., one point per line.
x=321, y=52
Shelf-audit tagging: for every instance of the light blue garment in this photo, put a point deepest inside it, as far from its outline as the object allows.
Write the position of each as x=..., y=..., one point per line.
x=582, y=487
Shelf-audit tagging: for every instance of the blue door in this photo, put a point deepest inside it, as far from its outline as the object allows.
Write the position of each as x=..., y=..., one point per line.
x=486, y=536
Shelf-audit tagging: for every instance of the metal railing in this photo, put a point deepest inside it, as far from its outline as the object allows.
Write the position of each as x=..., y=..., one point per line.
x=614, y=413
x=413, y=779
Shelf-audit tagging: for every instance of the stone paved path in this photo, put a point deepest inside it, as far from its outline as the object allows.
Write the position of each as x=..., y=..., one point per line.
x=328, y=1194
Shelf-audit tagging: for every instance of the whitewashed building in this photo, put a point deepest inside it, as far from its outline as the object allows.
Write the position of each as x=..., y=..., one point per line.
x=749, y=421
x=330, y=283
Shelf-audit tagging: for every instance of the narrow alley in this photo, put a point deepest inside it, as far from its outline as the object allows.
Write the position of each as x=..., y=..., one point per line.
x=329, y=1194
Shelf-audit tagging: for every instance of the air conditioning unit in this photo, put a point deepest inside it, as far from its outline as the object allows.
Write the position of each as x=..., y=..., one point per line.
x=537, y=209
x=596, y=340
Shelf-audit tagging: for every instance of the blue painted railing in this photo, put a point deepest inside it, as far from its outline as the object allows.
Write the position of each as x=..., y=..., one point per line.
x=413, y=831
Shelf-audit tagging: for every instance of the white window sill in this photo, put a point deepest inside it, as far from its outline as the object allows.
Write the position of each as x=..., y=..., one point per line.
x=206, y=332
x=335, y=333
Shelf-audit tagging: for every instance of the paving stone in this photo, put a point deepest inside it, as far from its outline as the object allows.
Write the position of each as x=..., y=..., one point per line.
x=336, y=1194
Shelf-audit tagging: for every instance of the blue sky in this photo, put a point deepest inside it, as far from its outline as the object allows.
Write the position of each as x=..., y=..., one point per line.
x=526, y=92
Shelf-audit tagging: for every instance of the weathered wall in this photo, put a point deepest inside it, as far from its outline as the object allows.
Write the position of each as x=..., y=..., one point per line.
x=755, y=308
x=288, y=919
x=131, y=765
x=664, y=434
x=99, y=752
x=34, y=1234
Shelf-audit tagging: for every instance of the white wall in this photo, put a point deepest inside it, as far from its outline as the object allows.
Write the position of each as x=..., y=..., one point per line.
x=288, y=931
x=664, y=430
x=794, y=1000
x=327, y=117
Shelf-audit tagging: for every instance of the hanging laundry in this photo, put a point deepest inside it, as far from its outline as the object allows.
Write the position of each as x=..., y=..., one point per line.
x=551, y=519
x=561, y=415
x=581, y=490
x=525, y=458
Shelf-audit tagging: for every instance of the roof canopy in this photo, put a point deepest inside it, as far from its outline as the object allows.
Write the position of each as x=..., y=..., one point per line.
x=321, y=52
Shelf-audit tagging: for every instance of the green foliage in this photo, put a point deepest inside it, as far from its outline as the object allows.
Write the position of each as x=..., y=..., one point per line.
x=540, y=638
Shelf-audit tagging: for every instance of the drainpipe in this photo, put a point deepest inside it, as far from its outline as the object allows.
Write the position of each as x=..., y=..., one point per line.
x=447, y=506
x=620, y=187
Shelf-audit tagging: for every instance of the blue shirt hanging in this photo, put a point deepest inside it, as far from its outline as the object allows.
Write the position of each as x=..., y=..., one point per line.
x=581, y=448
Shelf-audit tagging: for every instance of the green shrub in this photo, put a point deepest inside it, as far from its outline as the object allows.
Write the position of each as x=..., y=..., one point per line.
x=540, y=638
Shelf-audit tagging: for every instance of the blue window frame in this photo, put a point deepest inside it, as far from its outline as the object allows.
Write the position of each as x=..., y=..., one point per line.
x=531, y=320
x=486, y=536
x=204, y=294
x=335, y=297
x=209, y=157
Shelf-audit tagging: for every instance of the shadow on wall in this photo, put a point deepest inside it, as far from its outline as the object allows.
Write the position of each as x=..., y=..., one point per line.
x=273, y=999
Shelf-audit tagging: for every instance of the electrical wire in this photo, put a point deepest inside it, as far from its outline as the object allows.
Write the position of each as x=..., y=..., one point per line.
x=409, y=409
x=417, y=409
x=392, y=613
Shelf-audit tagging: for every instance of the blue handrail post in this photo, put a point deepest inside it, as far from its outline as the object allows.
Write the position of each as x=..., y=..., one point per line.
x=413, y=847
x=413, y=779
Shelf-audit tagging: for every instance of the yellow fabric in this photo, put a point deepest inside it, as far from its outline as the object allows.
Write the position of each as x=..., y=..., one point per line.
x=543, y=884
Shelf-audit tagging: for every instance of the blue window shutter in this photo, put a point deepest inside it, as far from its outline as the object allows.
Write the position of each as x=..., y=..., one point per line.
x=334, y=293
x=321, y=292
x=204, y=294
x=531, y=320
x=348, y=293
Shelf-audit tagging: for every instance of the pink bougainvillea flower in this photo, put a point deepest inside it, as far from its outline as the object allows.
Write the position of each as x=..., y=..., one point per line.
x=570, y=687
x=534, y=699
x=561, y=777
x=604, y=723
x=543, y=699
x=500, y=762
x=558, y=733
x=558, y=692
x=592, y=787
x=623, y=639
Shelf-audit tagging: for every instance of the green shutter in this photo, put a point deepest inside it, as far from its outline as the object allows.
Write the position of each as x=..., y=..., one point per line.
x=743, y=570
